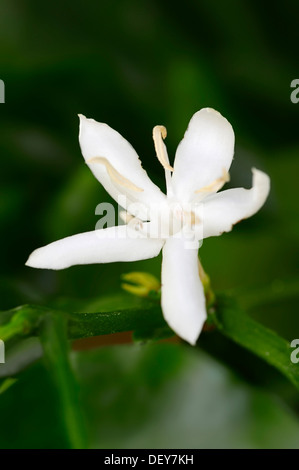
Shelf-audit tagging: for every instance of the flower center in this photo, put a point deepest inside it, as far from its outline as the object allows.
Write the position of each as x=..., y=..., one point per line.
x=167, y=220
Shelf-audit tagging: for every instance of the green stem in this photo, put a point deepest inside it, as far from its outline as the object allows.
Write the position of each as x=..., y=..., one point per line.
x=56, y=350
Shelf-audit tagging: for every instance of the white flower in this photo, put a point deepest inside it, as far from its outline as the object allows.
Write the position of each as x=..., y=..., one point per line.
x=192, y=206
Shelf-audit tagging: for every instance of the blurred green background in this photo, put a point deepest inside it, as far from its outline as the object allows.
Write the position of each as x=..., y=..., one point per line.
x=134, y=64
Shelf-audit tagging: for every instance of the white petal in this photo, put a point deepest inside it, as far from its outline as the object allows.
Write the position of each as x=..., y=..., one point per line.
x=221, y=211
x=205, y=152
x=99, y=140
x=99, y=246
x=183, y=299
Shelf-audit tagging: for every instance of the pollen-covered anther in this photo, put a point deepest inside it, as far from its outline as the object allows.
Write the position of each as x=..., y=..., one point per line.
x=215, y=185
x=159, y=134
x=114, y=174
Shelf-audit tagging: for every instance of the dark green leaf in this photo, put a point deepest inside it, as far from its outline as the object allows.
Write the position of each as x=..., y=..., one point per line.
x=234, y=323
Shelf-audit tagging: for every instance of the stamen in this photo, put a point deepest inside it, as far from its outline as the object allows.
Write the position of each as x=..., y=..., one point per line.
x=160, y=133
x=114, y=174
x=215, y=185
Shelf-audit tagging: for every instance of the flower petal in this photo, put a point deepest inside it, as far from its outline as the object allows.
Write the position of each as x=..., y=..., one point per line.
x=108, y=245
x=99, y=140
x=221, y=211
x=183, y=299
x=205, y=152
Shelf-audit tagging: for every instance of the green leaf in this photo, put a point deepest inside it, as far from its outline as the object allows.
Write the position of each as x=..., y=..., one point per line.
x=231, y=321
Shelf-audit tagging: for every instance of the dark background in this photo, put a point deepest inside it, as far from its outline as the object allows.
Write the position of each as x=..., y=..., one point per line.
x=135, y=64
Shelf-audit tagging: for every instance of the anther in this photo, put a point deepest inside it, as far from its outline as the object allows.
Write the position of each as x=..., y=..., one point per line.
x=160, y=133
x=114, y=174
x=215, y=185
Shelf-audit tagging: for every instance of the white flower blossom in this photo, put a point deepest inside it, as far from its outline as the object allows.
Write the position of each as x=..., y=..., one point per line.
x=176, y=223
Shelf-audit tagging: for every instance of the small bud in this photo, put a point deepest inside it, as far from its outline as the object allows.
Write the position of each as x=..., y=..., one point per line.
x=141, y=284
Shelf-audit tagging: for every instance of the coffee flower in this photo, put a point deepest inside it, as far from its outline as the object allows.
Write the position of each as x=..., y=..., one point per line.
x=176, y=223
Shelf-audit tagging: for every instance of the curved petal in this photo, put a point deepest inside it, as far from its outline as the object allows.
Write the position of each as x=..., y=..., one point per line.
x=221, y=211
x=99, y=141
x=183, y=299
x=204, y=154
x=108, y=245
